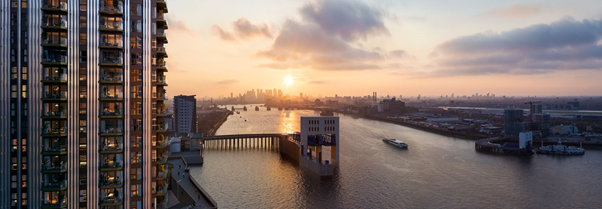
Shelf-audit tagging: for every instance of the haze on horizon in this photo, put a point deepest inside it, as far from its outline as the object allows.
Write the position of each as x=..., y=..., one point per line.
x=327, y=47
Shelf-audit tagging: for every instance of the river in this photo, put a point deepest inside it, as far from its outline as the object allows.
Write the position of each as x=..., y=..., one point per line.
x=435, y=172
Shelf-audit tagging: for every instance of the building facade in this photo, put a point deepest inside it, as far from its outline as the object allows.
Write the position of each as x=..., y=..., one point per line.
x=513, y=122
x=185, y=114
x=82, y=92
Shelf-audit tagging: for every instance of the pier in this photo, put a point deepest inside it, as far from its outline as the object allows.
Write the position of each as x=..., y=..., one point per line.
x=243, y=141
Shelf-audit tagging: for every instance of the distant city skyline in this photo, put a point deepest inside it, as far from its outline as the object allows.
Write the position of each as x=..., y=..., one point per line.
x=327, y=47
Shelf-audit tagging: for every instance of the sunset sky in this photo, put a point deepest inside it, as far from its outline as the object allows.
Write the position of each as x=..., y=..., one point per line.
x=404, y=48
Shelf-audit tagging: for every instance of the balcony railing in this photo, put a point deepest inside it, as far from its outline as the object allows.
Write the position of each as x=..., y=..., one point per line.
x=52, y=167
x=55, y=203
x=113, y=44
x=50, y=75
x=111, y=7
x=54, y=22
x=162, y=174
x=106, y=182
x=110, y=200
x=111, y=164
x=54, y=41
x=54, y=148
x=111, y=59
x=111, y=147
x=54, y=114
x=161, y=32
x=55, y=59
x=54, y=131
x=162, y=81
x=54, y=4
x=111, y=24
x=111, y=113
x=161, y=127
x=111, y=130
x=54, y=185
x=55, y=95
x=111, y=77
x=162, y=96
x=163, y=159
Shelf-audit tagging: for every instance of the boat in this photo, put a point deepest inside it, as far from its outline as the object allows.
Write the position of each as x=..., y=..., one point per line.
x=268, y=108
x=256, y=108
x=396, y=143
x=560, y=149
x=244, y=108
x=279, y=108
x=232, y=108
x=326, y=113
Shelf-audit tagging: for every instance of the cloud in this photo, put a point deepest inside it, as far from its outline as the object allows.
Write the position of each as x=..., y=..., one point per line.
x=227, y=82
x=544, y=48
x=177, y=25
x=307, y=46
x=350, y=20
x=515, y=11
x=224, y=35
x=243, y=30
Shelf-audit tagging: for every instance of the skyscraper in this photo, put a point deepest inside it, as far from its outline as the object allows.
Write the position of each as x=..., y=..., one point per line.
x=513, y=121
x=185, y=114
x=73, y=75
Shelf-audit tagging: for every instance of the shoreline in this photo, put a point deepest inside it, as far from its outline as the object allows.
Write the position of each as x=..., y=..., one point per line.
x=219, y=124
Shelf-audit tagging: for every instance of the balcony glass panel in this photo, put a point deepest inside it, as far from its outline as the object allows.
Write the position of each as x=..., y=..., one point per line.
x=56, y=198
x=111, y=23
x=111, y=143
x=53, y=55
x=56, y=38
x=161, y=63
x=162, y=79
x=111, y=74
x=54, y=163
x=54, y=109
x=161, y=32
x=53, y=145
x=54, y=73
x=55, y=180
x=111, y=109
x=54, y=20
x=111, y=178
x=115, y=40
x=111, y=91
x=55, y=91
x=111, y=126
x=59, y=4
x=108, y=196
x=111, y=5
x=111, y=160
x=111, y=57
x=54, y=127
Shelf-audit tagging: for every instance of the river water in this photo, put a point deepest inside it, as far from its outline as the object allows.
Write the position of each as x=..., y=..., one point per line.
x=435, y=172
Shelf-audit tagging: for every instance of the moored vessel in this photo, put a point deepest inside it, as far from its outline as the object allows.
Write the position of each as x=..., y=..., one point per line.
x=396, y=143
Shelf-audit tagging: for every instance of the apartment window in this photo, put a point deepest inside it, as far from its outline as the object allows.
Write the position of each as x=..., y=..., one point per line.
x=82, y=161
x=83, y=5
x=82, y=74
x=23, y=4
x=83, y=91
x=82, y=108
x=136, y=26
x=82, y=143
x=82, y=22
x=14, y=3
x=136, y=141
x=137, y=9
x=83, y=55
x=136, y=59
x=136, y=157
x=135, y=190
x=83, y=195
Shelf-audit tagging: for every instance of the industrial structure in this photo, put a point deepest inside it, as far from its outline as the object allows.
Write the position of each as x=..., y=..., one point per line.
x=82, y=92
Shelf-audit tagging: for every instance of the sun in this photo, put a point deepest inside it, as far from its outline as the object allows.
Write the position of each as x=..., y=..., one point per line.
x=288, y=80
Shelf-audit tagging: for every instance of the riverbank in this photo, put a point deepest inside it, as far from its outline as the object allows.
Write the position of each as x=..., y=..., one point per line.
x=419, y=127
x=209, y=123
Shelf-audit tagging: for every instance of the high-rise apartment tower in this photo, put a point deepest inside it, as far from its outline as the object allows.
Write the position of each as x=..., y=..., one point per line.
x=82, y=92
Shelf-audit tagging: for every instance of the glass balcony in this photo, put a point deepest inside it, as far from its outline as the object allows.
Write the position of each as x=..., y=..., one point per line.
x=54, y=22
x=111, y=24
x=54, y=93
x=162, y=190
x=162, y=51
x=111, y=162
x=164, y=157
x=54, y=39
x=111, y=179
x=162, y=5
x=163, y=174
x=161, y=96
x=54, y=75
x=54, y=5
x=111, y=145
x=54, y=199
x=162, y=80
x=54, y=182
x=111, y=127
x=111, y=92
x=161, y=35
x=54, y=128
x=110, y=197
x=114, y=41
x=111, y=58
x=54, y=57
x=111, y=75
x=111, y=7
x=54, y=164
x=111, y=110
x=54, y=111
x=161, y=127
x=54, y=147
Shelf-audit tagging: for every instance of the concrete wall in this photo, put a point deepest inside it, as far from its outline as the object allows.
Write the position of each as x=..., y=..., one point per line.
x=290, y=148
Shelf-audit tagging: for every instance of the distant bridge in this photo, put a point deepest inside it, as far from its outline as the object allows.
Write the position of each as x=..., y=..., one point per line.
x=265, y=141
